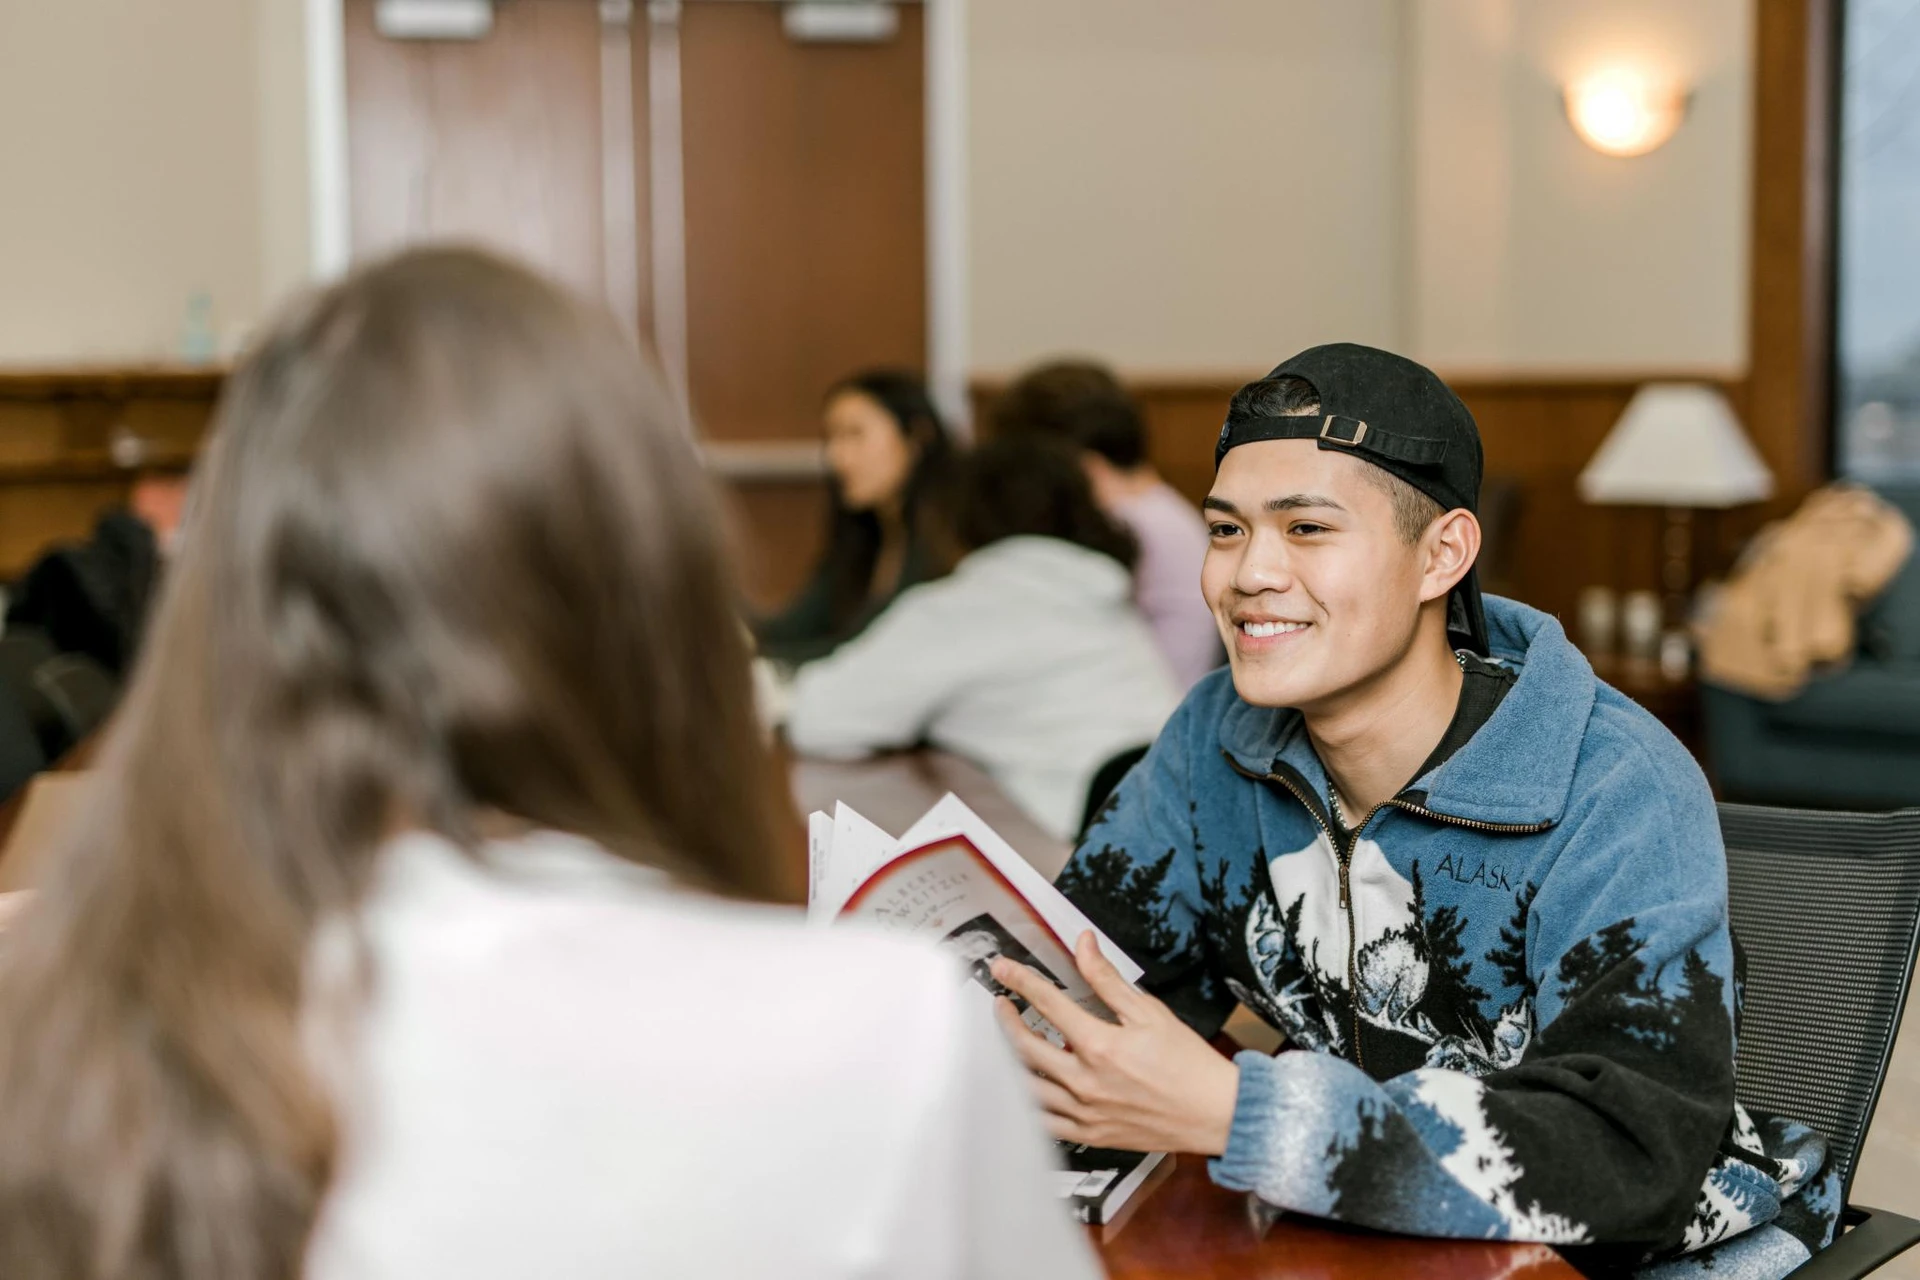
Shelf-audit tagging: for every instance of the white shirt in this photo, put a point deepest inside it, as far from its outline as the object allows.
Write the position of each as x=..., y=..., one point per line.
x=1029, y=658
x=564, y=1067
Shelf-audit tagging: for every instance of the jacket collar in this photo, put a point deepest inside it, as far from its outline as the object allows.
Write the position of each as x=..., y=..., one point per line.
x=1518, y=769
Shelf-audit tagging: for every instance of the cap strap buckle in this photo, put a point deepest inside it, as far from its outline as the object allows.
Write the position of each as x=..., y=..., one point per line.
x=1353, y=441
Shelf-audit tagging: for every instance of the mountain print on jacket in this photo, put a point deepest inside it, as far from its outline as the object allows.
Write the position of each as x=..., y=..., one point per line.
x=1517, y=1022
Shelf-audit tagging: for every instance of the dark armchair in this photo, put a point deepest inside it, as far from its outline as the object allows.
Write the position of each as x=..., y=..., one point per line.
x=1849, y=740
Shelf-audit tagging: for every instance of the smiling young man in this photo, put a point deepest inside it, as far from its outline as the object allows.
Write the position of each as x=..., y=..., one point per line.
x=1481, y=895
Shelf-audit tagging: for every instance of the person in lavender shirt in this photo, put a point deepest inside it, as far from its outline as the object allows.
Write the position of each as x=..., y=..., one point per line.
x=1082, y=401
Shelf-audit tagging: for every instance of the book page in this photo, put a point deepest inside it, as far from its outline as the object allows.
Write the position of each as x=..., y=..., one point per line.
x=952, y=817
x=949, y=890
x=853, y=848
x=819, y=865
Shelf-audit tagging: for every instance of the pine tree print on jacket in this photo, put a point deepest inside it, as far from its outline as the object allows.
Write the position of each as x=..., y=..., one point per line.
x=1511, y=1010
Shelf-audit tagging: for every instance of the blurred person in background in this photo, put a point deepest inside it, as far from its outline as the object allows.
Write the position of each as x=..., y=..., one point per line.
x=412, y=929
x=888, y=458
x=1030, y=658
x=71, y=627
x=1081, y=402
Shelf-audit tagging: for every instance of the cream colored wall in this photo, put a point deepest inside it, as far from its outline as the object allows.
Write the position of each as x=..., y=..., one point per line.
x=1532, y=251
x=147, y=151
x=1201, y=185
x=1205, y=186
x=287, y=254
x=1196, y=187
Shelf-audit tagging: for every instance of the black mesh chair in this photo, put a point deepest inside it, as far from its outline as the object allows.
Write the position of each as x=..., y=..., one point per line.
x=1826, y=907
x=1106, y=781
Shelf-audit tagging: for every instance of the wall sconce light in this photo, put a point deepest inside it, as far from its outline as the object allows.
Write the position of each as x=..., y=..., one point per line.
x=1624, y=113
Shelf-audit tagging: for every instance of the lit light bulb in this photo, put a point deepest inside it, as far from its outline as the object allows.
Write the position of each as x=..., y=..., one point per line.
x=1622, y=113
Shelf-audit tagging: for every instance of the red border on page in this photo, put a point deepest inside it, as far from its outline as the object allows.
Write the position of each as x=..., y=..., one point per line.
x=986, y=863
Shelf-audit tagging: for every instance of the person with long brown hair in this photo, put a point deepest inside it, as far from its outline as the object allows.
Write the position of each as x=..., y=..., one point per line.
x=413, y=931
x=889, y=460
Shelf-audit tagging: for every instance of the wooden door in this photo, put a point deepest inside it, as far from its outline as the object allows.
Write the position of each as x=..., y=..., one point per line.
x=803, y=195
x=806, y=215
x=805, y=252
x=494, y=141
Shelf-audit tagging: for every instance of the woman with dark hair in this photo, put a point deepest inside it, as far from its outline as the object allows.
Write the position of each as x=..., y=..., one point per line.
x=1082, y=403
x=888, y=459
x=1029, y=658
x=411, y=931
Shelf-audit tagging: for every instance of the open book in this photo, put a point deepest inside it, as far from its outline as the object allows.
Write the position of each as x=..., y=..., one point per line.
x=953, y=879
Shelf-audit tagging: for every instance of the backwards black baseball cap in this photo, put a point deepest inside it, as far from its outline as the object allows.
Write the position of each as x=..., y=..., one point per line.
x=1397, y=415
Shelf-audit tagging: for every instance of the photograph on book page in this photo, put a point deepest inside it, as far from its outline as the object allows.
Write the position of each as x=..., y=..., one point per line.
x=948, y=890
x=978, y=941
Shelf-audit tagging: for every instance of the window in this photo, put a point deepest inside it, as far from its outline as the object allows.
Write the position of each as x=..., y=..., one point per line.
x=1877, y=266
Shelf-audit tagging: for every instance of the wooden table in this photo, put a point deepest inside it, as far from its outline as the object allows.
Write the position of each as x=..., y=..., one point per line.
x=10, y=812
x=1188, y=1228
x=894, y=790
x=80, y=757
x=1182, y=1225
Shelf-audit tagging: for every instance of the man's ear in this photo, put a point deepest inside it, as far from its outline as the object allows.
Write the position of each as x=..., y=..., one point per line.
x=1450, y=545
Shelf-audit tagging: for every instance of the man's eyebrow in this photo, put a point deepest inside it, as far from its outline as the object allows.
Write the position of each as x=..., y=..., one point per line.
x=1292, y=502
x=1298, y=501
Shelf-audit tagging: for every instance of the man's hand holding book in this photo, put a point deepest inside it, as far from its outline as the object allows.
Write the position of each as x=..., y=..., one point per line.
x=1147, y=1083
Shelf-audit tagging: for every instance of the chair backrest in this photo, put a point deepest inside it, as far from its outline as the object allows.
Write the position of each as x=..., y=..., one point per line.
x=1826, y=909
x=1106, y=780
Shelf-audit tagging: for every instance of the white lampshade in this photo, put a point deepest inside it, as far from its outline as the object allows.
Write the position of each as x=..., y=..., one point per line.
x=1677, y=445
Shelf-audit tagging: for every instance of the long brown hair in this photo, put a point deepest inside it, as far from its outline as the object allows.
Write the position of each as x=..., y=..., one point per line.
x=451, y=553
x=853, y=537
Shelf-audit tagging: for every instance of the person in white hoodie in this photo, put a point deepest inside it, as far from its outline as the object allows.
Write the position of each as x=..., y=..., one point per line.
x=421, y=921
x=1030, y=658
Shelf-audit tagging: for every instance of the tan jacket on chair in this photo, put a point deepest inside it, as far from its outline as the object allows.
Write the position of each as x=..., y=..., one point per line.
x=1791, y=604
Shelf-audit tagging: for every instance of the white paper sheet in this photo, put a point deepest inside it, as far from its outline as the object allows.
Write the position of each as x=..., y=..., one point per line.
x=848, y=851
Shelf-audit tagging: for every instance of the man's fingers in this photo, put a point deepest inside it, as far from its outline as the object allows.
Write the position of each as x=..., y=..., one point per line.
x=1119, y=994
x=1035, y=1051
x=1056, y=1101
x=1068, y=1130
x=1053, y=1004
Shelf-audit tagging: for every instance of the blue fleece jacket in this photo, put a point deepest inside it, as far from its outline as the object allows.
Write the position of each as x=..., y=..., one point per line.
x=1509, y=996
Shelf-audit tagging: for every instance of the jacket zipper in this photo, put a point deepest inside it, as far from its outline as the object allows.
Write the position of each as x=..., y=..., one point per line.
x=1471, y=824
x=1343, y=858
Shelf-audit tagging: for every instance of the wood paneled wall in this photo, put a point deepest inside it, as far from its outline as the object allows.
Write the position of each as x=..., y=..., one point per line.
x=778, y=529
x=1538, y=433
x=72, y=442
x=59, y=468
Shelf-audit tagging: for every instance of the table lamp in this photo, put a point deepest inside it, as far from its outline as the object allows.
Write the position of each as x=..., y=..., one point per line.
x=1678, y=446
